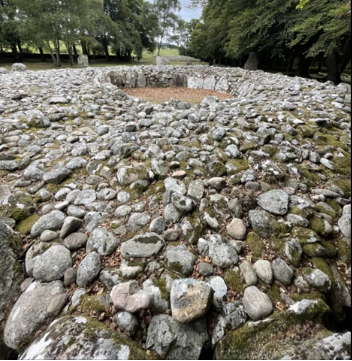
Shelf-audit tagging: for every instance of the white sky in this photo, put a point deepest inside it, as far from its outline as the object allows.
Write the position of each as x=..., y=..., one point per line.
x=186, y=13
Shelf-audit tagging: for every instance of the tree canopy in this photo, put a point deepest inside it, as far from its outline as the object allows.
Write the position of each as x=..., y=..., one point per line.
x=277, y=30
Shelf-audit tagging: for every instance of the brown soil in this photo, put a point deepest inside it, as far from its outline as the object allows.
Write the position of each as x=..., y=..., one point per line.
x=161, y=95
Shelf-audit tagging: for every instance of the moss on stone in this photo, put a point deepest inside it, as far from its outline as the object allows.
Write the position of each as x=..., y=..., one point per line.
x=255, y=245
x=270, y=149
x=304, y=235
x=309, y=175
x=233, y=280
x=246, y=146
x=274, y=293
x=305, y=213
x=52, y=188
x=343, y=165
x=94, y=303
x=175, y=267
x=335, y=206
x=317, y=225
x=236, y=166
x=20, y=214
x=344, y=184
x=238, y=344
x=330, y=250
x=25, y=226
x=161, y=284
x=344, y=250
x=306, y=131
x=67, y=181
x=313, y=295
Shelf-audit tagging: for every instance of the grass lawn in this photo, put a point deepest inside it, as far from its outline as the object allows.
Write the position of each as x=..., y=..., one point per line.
x=147, y=59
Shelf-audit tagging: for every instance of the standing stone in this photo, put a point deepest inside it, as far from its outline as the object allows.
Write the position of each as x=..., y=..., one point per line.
x=190, y=299
x=83, y=61
x=252, y=62
x=256, y=303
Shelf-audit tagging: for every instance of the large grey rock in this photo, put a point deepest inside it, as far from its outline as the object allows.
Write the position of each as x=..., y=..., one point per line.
x=56, y=176
x=249, y=275
x=30, y=313
x=85, y=197
x=52, y=264
x=235, y=315
x=223, y=254
x=318, y=280
x=88, y=270
x=18, y=67
x=282, y=272
x=75, y=241
x=52, y=221
x=85, y=339
x=196, y=190
x=256, y=303
x=180, y=259
x=176, y=341
x=264, y=271
x=11, y=274
x=219, y=288
x=137, y=221
x=344, y=224
x=145, y=245
x=190, y=299
x=275, y=202
x=70, y=225
x=128, y=296
x=236, y=229
x=126, y=321
x=102, y=241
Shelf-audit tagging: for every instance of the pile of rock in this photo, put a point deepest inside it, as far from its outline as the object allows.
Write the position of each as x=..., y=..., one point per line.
x=135, y=230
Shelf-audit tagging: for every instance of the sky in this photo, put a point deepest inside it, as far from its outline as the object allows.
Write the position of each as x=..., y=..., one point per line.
x=189, y=14
x=186, y=13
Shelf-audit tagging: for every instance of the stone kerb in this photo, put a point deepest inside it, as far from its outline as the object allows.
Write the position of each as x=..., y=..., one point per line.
x=235, y=81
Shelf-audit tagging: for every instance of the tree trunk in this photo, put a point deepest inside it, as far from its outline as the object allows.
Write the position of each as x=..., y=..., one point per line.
x=84, y=47
x=69, y=51
x=42, y=56
x=346, y=55
x=57, y=52
x=106, y=50
x=75, y=52
x=291, y=63
x=14, y=52
x=303, y=67
x=20, y=49
x=334, y=74
x=52, y=53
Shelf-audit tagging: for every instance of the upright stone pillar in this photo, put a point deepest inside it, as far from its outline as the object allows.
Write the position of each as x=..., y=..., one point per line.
x=83, y=61
x=252, y=62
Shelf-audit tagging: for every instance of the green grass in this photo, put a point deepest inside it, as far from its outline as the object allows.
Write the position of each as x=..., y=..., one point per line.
x=147, y=59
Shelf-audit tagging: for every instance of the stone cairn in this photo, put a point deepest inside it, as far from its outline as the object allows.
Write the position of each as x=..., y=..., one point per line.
x=179, y=231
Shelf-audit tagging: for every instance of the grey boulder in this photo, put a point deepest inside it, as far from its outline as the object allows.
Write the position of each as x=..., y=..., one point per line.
x=30, y=313
x=256, y=303
x=275, y=201
x=51, y=221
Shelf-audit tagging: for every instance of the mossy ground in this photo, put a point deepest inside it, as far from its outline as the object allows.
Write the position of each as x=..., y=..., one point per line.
x=255, y=245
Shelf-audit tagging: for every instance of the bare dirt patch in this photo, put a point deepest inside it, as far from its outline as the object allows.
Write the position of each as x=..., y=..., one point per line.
x=161, y=95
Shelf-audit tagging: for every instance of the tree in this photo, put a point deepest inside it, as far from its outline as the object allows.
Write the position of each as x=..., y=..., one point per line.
x=167, y=18
x=9, y=25
x=182, y=36
x=326, y=26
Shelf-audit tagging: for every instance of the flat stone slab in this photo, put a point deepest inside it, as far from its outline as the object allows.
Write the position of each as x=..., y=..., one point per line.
x=145, y=245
